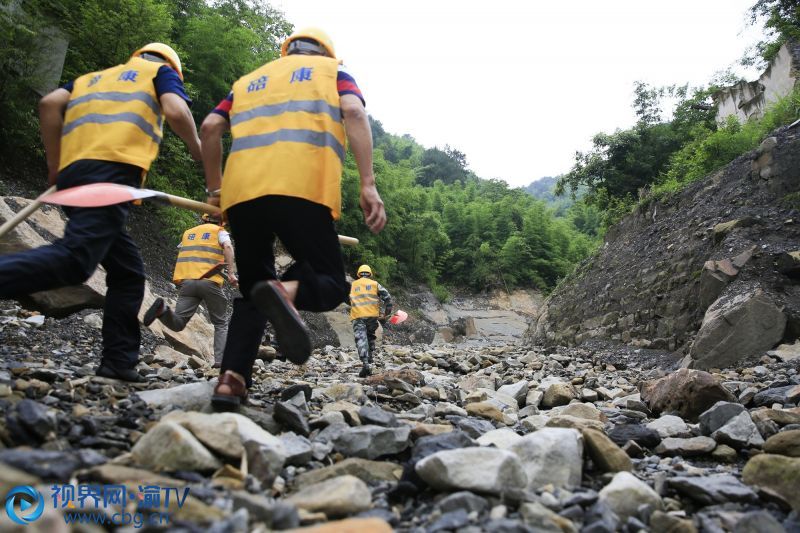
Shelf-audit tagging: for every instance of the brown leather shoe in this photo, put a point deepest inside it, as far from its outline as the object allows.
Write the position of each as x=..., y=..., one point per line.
x=291, y=331
x=231, y=401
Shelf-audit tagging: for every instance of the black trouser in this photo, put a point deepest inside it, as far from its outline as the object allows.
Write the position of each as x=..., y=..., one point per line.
x=307, y=231
x=92, y=236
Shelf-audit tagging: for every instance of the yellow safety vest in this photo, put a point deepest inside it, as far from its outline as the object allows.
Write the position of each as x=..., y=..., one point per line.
x=288, y=134
x=364, y=301
x=114, y=115
x=200, y=251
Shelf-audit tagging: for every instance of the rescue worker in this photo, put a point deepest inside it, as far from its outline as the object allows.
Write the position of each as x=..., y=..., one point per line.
x=367, y=297
x=283, y=178
x=203, y=252
x=105, y=126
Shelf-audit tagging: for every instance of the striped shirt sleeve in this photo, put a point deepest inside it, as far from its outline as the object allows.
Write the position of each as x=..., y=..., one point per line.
x=223, y=108
x=346, y=84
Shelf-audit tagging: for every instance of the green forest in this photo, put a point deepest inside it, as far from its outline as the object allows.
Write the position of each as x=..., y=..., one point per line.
x=447, y=227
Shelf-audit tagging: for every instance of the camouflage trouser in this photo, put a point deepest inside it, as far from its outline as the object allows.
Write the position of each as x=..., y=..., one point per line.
x=364, y=332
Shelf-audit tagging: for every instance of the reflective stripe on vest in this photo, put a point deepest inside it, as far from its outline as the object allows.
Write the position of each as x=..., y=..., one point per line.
x=195, y=260
x=288, y=134
x=317, y=138
x=116, y=96
x=114, y=115
x=364, y=300
x=96, y=118
x=309, y=106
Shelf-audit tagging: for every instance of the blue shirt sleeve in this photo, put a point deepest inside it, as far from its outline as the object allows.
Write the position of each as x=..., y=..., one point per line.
x=168, y=81
x=69, y=85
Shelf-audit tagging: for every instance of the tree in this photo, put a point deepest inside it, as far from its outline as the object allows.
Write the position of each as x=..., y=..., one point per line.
x=621, y=164
x=448, y=165
x=782, y=24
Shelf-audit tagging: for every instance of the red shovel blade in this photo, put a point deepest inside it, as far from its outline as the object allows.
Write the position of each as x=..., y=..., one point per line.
x=399, y=317
x=97, y=195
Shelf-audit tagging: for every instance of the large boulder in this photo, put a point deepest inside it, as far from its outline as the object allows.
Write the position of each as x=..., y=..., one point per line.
x=686, y=392
x=737, y=326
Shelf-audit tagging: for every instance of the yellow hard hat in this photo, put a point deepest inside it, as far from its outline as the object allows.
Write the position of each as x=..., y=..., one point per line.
x=166, y=51
x=364, y=269
x=310, y=33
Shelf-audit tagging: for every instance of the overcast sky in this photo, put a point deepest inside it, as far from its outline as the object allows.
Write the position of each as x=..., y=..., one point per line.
x=519, y=86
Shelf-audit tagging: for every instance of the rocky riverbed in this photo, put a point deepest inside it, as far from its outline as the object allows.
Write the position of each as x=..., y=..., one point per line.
x=499, y=437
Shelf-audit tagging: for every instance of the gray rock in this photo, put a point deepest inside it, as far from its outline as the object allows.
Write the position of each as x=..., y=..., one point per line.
x=370, y=442
x=338, y=496
x=551, y=455
x=486, y=470
x=534, y=422
x=367, y=471
x=540, y=518
x=290, y=393
x=377, y=416
x=299, y=401
x=737, y=326
x=718, y=415
x=782, y=395
x=502, y=438
x=686, y=447
x=292, y=417
x=518, y=391
x=758, y=522
x=189, y=397
x=170, y=447
x=36, y=418
x=708, y=490
x=332, y=432
x=297, y=449
x=474, y=427
x=638, y=433
x=275, y=514
x=51, y=465
x=506, y=525
x=463, y=500
x=216, y=432
x=670, y=426
x=626, y=493
x=426, y=446
x=450, y=521
x=558, y=394
x=264, y=462
x=739, y=432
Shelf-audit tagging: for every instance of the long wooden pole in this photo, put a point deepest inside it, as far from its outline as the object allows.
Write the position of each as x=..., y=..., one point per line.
x=24, y=213
x=158, y=196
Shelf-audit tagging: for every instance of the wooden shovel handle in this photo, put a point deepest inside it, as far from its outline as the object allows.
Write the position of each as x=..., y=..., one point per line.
x=14, y=221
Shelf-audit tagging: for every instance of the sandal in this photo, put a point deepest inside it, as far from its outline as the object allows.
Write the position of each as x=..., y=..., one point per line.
x=231, y=401
x=291, y=331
